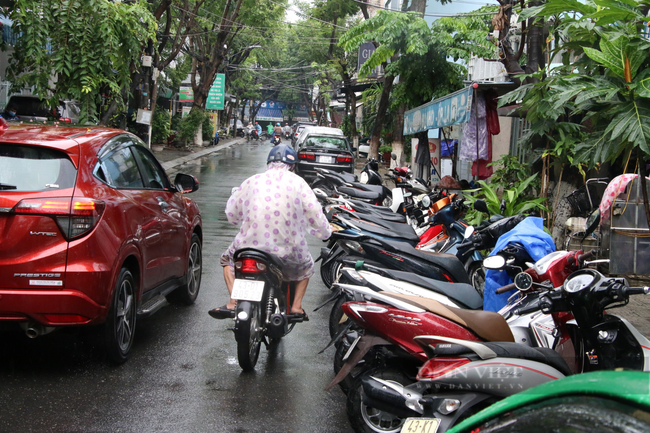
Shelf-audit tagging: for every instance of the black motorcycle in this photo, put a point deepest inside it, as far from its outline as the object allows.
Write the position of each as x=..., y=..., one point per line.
x=263, y=312
x=276, y=140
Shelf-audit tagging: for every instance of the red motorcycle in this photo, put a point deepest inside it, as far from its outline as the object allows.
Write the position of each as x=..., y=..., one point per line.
x=384, y=326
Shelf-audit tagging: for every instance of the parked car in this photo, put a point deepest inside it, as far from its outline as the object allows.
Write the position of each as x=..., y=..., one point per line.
x=311, y=130
x=92, y=232
x=364, y=147
x=34, y=109
x=298, y=128
x=321, y=147
x=603, y=401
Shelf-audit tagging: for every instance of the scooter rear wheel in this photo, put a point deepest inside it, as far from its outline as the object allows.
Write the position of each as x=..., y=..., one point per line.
x=367, y=419
x=249, y=339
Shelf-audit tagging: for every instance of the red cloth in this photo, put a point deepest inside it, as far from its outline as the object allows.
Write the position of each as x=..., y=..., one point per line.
x=491, y=113
x=483, y=170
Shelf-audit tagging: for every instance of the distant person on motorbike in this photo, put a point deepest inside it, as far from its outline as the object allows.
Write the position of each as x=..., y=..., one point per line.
x=275, y=209
x=258, y=129
x=277, y=130
x=10, y=113
x=287, y=130
x=269, y=129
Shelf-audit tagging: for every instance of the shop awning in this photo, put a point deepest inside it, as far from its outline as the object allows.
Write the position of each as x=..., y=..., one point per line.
x=269, y=114
x=449, y=110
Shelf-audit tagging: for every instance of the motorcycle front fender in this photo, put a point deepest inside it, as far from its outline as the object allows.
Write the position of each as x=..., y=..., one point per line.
x=334, y=254
x=362, y=347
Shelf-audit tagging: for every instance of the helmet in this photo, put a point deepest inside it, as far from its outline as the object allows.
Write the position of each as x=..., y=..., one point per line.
x=256, y=123
x=278, y=124
x=283, y=153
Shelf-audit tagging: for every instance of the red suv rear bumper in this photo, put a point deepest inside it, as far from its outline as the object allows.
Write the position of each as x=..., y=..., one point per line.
x=50, y=307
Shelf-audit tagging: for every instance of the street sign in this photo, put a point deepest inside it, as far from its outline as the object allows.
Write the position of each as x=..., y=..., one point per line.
x=186, y=94
x=217, y=93
x=365, y=51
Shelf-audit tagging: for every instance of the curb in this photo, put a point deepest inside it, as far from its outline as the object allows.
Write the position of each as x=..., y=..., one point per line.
x=182, y=160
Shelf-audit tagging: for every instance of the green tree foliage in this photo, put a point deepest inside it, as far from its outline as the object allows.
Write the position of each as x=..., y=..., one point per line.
x=77, y=50
x=596, y=106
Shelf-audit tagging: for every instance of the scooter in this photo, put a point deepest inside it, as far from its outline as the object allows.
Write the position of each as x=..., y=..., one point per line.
x=263, y=312
x=462, y=376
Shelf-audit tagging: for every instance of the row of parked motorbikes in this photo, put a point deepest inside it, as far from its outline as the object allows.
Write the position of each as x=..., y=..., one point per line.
x=412, y=342
x=413, y=348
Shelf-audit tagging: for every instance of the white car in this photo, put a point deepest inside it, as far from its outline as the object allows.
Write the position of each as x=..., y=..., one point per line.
x=364, y=149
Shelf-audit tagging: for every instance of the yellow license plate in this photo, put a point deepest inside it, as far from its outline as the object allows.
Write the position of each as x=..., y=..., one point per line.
x=420, y=425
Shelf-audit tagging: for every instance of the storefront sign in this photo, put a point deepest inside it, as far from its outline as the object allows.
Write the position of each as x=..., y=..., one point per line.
x=449, y=110
x=186, y=94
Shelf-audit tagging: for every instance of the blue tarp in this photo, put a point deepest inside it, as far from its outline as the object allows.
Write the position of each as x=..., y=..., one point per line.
x=272, y=114
x=530, y=233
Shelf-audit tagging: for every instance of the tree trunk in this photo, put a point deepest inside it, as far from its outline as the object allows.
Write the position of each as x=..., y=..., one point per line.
x=398, y=138
x=381, y=114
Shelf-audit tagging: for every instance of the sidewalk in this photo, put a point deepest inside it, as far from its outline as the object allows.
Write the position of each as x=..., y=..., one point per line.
x=171, y=157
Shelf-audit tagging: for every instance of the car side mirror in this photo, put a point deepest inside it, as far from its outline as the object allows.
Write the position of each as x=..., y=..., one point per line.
x=185, y=183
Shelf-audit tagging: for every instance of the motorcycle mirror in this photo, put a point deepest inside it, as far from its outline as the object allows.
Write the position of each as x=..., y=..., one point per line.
x=393, y=156
x=523, y=281
x=592, y=222
x=469, y=231
x=481, y=206
x=496, y=263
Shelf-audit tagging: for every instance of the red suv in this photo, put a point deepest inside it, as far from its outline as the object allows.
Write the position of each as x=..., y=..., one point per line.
x=92, y=231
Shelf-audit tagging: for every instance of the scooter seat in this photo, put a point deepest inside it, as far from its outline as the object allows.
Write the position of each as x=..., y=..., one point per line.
x=448, y=262
x=360, y=194
x=403, y=232
x=367, y=187
x=487, y=325
x=464, y=294
x=381, y=218
x=511, y=350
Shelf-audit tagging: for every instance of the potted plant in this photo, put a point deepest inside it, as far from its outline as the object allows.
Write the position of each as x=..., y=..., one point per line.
x=385, y=151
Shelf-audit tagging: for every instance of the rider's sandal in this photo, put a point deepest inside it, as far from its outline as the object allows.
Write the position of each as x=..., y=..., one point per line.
x=222, y=312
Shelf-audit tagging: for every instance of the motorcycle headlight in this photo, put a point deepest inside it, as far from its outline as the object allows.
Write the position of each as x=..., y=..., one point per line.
x=426, y=201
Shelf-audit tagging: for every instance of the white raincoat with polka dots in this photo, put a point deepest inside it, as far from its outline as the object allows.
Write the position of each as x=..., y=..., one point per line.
x=275, y=209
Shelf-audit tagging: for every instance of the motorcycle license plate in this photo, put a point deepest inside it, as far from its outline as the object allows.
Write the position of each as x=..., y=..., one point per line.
x=248, y=290
x=420, y=425
x=326, y=159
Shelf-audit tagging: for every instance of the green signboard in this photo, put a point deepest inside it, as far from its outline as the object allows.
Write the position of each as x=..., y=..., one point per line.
x=186, y=94
x=216, y=93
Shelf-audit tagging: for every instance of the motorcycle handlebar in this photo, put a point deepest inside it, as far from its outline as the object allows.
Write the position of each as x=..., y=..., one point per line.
x=582, y=257
x=528, y=309
x=465, y=244
x=637, y=290
x=505, y=288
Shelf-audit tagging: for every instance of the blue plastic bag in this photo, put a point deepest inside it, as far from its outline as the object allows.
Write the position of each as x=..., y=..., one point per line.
x=530, y=233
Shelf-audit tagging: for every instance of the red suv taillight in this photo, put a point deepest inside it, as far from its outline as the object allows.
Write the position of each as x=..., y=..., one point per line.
x=307, y=156
x=436, y=367
x=250, y=266
x=75, y=216
x=344, y=159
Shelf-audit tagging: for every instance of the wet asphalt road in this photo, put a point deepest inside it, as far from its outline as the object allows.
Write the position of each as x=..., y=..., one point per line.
x=183, y=374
